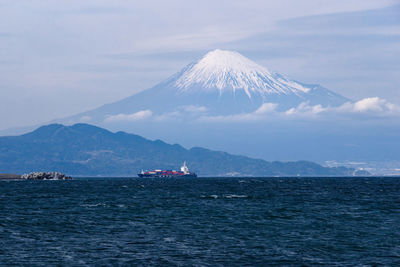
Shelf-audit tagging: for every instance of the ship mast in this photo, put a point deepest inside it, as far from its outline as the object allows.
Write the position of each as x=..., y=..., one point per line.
x=184, y=168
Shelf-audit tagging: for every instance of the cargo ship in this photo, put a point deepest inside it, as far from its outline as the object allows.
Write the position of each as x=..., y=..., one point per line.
x=184, y=172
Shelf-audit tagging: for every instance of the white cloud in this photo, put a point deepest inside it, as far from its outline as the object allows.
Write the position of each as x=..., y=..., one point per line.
x=264, y=111
x=374, y=104
x=305, y=109
x=371, y=107
x=367, y=107
x=266, y=108
x=85, y=119
x=140, y=115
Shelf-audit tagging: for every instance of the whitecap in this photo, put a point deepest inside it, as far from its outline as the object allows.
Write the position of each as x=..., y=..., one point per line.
x=209, y=196
x=94, y=205
x=236, y=196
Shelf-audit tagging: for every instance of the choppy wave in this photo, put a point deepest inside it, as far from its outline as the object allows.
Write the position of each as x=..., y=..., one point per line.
x=201, y=222
x=224, y=196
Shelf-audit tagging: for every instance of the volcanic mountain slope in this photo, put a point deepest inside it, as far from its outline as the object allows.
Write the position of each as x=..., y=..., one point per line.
x=87, y=150
x=220, y=83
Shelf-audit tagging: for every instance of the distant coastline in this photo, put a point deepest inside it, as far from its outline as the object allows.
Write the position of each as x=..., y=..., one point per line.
x=87, y=150
x=9, y=176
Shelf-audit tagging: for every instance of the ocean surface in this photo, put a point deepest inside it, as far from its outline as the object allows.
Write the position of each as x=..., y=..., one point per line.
x=201, y=222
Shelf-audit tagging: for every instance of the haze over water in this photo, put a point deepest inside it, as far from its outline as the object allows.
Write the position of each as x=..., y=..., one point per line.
x=201, y=222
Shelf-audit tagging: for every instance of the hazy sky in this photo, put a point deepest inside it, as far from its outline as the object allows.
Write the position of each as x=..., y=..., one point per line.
x=58, y=58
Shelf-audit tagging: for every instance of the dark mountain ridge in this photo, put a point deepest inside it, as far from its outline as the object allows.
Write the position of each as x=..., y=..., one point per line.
x=86, y=150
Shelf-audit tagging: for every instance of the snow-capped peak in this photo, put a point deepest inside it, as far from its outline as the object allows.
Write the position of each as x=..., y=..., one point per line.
x=223, y=61
x=229, y=70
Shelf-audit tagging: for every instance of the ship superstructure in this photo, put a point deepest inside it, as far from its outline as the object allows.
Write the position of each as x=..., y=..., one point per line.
x=184, y=172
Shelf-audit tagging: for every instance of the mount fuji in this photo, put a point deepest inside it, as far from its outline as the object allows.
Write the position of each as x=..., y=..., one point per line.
x=220, y=83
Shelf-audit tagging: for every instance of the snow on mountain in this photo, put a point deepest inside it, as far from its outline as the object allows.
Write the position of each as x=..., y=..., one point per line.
x=220, y=83
x=227, y=70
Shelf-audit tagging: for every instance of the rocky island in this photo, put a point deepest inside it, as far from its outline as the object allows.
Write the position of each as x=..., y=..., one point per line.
x=45, y=176
x=35, y=176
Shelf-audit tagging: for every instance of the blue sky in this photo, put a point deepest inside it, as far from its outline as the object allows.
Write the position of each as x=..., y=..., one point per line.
x=58, y=58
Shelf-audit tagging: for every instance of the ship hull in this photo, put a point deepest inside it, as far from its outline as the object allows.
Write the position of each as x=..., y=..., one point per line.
x=191, y=175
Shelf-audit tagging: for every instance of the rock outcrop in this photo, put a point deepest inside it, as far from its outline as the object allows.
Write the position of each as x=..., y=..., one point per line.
x=45, y=176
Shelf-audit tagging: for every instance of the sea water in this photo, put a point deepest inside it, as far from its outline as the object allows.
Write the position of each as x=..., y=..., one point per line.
x=201, y=222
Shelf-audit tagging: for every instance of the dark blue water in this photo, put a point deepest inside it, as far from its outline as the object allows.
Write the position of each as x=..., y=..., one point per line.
x=201, y=222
